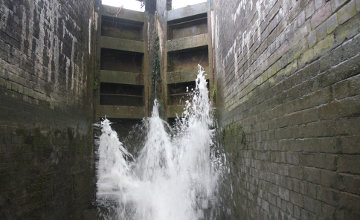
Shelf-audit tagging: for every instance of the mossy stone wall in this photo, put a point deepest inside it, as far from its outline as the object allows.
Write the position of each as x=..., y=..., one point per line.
x=288, y=88
x=46, y=147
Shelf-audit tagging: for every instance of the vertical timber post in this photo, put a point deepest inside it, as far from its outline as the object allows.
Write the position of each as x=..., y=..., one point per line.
x=161, y=24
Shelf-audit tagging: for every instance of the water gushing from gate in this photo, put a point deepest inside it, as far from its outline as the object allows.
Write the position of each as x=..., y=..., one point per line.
x=175, y=174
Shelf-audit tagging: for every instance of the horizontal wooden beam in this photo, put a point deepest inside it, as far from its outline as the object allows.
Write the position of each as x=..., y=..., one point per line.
x=114, y=111
x=188, y=42
x=109, y=76
x=188, y=11
x=184, y=76
x=122, y=44
x=172, y=110
x=123, y=13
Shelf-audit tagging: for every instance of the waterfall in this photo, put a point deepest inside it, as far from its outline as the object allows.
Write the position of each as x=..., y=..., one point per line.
x=175, y=174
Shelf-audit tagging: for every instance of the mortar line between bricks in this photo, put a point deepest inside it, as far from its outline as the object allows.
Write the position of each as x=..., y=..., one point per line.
x=319, y=58
x=262, y=43
x=336, y=190
x=341, y=63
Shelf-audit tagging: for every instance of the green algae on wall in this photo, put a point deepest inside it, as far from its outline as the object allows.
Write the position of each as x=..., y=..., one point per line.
x=155, y=73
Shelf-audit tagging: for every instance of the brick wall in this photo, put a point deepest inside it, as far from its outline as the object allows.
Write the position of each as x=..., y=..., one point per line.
x=46, y=166
x=288, y=72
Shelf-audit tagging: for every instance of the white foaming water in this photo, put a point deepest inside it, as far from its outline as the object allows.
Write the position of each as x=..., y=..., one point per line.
x=175, y=175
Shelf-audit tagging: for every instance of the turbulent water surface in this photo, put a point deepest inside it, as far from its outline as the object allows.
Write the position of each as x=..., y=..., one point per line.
x=175, y=173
